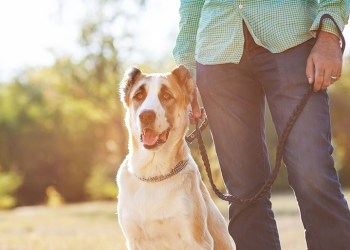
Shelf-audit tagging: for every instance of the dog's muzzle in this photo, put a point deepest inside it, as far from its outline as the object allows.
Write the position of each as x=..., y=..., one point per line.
x=151, y=139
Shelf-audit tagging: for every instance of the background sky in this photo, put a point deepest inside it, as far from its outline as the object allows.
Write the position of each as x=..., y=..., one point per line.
x=33, y=32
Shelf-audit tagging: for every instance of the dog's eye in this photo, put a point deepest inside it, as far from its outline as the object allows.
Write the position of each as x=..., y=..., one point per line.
x=166, y=96
x=139, y=95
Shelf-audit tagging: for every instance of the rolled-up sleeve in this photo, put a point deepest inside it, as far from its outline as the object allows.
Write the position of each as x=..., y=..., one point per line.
x=184, y=50
x=339, y=10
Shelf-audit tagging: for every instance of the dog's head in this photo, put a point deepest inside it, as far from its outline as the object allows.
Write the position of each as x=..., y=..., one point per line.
x=157, y=106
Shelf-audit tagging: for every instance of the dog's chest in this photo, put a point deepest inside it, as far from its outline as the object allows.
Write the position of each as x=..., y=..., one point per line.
x=151, y=202
x=158, y=215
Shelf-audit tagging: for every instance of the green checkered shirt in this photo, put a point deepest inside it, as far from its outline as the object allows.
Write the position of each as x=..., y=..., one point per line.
x=211, y=31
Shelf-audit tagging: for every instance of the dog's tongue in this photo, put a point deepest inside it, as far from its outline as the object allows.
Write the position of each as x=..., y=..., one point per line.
x=150, y=137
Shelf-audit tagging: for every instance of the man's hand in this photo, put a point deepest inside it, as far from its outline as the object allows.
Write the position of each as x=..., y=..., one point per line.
x=324, y=64
x=197, y=112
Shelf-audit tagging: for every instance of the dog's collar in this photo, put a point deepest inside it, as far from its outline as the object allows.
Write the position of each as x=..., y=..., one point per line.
x=177, y=169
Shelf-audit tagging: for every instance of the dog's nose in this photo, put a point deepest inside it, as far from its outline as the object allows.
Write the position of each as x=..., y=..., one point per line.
x=147, y=116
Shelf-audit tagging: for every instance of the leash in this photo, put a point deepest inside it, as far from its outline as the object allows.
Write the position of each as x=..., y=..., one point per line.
x=280, y=148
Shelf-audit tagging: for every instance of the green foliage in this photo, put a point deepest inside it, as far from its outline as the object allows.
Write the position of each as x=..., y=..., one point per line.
x=101, y=185
x=56, y=122
x=54, y=126
x=9, y=183
x=54, y=198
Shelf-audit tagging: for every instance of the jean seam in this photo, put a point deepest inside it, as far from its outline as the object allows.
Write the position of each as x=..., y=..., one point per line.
x=262, y=128
x=276, y=245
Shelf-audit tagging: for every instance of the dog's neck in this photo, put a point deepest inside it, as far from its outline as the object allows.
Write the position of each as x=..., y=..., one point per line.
x=146, y=163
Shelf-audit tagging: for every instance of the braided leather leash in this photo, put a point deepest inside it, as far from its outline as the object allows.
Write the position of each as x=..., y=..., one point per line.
x=280, y=148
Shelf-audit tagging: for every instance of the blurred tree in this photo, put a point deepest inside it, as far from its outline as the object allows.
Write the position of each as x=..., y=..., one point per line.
x=98, y=188
x=59, y=124
x=340, y=106
x=9, y=182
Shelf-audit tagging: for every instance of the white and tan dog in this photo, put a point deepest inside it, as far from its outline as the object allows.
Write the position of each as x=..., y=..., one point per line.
x=162, y=202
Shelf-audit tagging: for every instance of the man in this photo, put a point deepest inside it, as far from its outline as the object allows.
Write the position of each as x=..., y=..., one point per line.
x=244, y=51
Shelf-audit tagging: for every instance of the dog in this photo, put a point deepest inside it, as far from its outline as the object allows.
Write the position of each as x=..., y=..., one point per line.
x=162, y=201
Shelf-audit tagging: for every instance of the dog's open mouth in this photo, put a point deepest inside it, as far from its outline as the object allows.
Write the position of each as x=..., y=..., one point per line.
x=152, y=139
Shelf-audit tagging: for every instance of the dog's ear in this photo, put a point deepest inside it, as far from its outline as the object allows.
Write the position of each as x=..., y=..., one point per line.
x=129, y=79
x=183, y=77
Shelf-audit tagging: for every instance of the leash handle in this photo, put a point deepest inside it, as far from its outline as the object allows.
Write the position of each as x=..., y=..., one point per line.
x=342, y=44
x=325, y=16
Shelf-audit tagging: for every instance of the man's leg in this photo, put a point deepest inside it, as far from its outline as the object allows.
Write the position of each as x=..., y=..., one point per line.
x=234, y=103
x=308, y=153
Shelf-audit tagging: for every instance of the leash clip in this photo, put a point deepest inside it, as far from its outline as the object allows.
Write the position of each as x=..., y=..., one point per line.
x=192, y=136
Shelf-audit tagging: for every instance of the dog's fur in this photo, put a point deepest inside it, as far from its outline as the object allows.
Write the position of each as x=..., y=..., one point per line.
x=176, y=213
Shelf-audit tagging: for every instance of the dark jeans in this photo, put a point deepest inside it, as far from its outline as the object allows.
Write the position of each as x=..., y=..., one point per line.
x=234, y=98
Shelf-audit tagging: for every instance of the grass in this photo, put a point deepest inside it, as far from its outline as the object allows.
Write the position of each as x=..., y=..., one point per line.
x=94, y=226
x=79, y=227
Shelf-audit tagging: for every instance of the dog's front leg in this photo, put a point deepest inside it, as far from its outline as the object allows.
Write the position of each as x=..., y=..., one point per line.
x=132, y=246
x=200, y=230
x=132, y=231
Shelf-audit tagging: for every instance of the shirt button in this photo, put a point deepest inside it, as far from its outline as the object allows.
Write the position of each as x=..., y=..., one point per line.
x=240, y=6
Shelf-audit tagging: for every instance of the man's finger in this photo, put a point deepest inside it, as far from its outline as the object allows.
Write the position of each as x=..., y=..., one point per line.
x=337, y=74
x=310, y=70
x=195, y=105
x=319, y=77
x=334, y=77
x=327, y=80
x=203, y=114
x=340, y=70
